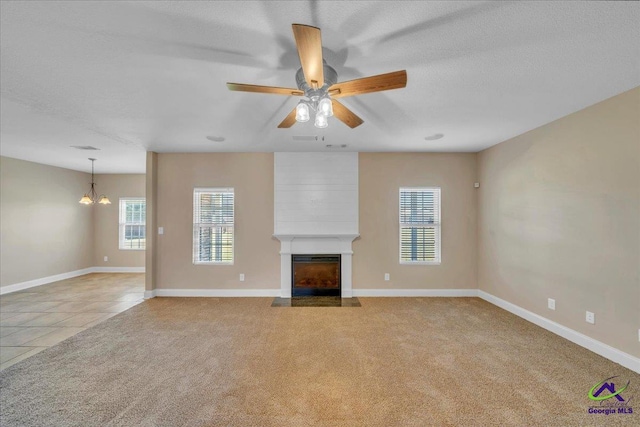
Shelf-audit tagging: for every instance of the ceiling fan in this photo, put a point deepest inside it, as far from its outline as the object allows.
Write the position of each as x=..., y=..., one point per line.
x=317, y=82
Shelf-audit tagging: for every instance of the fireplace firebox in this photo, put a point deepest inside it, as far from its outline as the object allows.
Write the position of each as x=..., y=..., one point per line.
x=315, y=275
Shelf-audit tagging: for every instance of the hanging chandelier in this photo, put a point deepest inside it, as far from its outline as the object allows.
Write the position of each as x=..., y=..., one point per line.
x=92, y=197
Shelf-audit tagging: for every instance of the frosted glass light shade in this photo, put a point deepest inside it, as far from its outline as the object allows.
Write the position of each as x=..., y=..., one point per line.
x=302, y=112
x=321, y=120
x=86, y=200
x=104, y=200
x=325, y=107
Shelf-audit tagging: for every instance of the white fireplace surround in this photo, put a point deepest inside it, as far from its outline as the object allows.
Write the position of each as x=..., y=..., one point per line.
x=316, y=210
x=325, y=244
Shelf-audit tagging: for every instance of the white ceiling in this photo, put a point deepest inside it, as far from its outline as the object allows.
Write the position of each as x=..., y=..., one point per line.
x=127, y=77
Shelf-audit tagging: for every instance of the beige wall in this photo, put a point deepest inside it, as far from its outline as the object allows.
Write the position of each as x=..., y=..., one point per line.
x=376, y=252
x=559, y=217
x=45, y=231
x=106, y=220
x=256, y=251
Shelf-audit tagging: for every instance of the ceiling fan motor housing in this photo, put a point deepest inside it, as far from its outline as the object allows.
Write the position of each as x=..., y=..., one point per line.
x=330, y=78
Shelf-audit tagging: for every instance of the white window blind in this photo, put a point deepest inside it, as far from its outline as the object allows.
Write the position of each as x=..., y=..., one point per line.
x=133, y=213
x=213, y=225
x=420, y=225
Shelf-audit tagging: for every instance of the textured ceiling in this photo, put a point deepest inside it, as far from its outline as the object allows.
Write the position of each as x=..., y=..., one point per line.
x=127, y=77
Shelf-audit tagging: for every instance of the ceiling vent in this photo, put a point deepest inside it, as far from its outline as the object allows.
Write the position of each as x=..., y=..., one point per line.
x=216, y=138
x=84, y=147
x=434, y=137
x=307, y=138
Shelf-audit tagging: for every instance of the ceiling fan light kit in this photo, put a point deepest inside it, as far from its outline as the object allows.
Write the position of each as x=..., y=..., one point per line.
x=318, y=98
x=322, y=107
x=318, y=83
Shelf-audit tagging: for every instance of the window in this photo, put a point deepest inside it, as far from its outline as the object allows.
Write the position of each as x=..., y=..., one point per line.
x=213, y=218
x=419, y=225
x=133, y=212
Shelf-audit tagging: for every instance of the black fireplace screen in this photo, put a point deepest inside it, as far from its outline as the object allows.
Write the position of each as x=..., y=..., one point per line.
x=315, y=275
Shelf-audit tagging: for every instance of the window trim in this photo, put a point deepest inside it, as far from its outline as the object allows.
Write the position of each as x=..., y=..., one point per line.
x=437, y=227
x=120, y=224
x=233, y=235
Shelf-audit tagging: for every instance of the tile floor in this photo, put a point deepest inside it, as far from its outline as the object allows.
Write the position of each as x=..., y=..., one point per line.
x=37, y=318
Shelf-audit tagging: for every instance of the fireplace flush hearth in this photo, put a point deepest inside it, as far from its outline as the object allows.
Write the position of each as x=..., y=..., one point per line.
x=315, y=275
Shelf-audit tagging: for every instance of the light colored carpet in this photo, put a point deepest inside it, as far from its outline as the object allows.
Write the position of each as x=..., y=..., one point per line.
x=241, y=362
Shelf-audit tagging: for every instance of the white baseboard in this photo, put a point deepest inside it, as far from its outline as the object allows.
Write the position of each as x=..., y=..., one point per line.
x=415, y=292
x=118, y=270
x=235, y=292
x=604, y=350
x=214, y=293
x=277, y=293
x=57, y=277
x=43, y=280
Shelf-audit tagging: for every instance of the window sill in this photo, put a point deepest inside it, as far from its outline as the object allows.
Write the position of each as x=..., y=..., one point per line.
x=420, y=262
x=213, y=263
x=131, y=249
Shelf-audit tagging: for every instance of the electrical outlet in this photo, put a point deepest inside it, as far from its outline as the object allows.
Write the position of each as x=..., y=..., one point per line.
x=386, y=277
x=551, y=303
x=160, y=230
x=106, y=259
x=242, y=277
x=590, y=318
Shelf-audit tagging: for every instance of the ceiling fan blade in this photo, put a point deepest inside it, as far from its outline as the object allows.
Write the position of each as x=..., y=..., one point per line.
x=309, y=46
x=345, y=115
x=265, y=89
x=395, y=80
x=290, y=120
